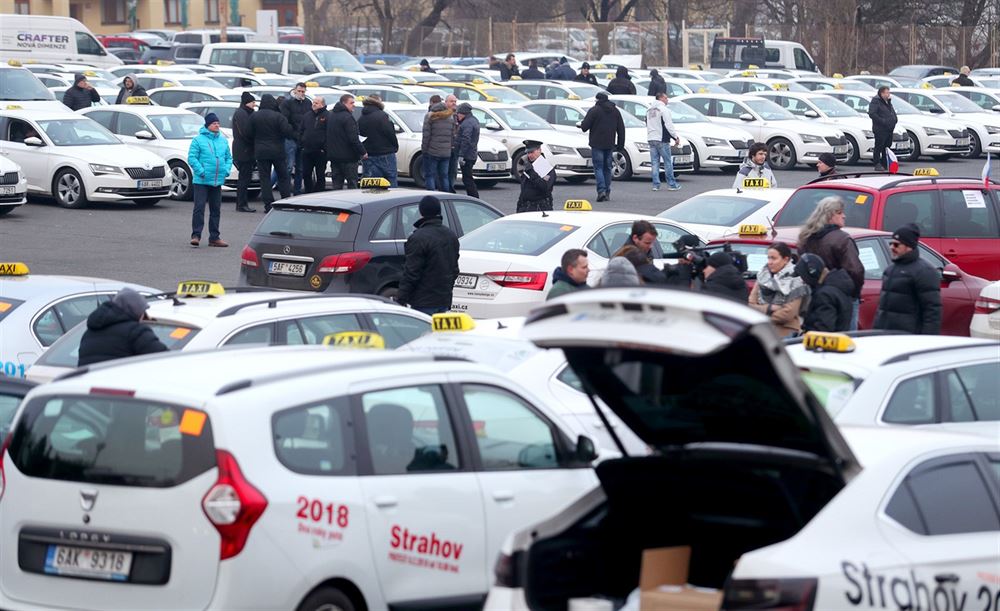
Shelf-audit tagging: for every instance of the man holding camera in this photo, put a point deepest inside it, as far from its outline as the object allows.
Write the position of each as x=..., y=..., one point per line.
x=723, y=278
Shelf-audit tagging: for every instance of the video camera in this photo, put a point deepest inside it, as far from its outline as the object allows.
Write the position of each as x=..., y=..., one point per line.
x=697, y=256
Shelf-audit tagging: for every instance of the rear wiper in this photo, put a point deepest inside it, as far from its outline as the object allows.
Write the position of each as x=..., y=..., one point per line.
x=283, y=234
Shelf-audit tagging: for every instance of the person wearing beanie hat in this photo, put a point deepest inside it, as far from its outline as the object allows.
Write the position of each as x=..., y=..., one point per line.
x=467, y=146
x=210, y=160
x=82, y=94
x=827, y=164
x=565, y=72
x=723, y=279
x=830, y=298
x=243, y=150
x=269, y=129
x=211, y=118
x=425, y=66
x=910, y=300
x=431, y=264
x=585, y=76
x=607, y=134
x=114, y=330
x=619, y=272
x=380, y=141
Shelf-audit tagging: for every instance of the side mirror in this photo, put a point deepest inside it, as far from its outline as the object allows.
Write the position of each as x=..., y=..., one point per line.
x=812, y=114
x=996, y=108
x=579, y=123
x=34, y=141
x=585, y=451
x=934, y=110
x=398, y=128
x=144, y=134
x=747, y=117
x=493, y=126
x=950, y=274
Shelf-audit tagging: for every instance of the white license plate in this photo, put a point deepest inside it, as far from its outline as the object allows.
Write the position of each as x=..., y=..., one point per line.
x=962, y=142
x=589, y=163
x=255, y=175
x=6, y=190
x=683, y=159
x=149, y=184
x=496, y=167
x=901, y=145
x=283, y=268
x=465, y=281
x=840, y=150
x=86, y=562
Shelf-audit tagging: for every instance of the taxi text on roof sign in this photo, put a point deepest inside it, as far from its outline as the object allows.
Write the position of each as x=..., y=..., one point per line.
x=137, y=99
x=926, y=172
x=577, y=204
x=200, y=288
x=13, y=269
x=374, y=183
x=756, y=183
x=452, y=321
x=355, y=339
x=827, y=342
x=748, y=229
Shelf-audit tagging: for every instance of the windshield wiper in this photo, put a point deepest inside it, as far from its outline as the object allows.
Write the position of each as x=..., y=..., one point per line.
x=282, y=234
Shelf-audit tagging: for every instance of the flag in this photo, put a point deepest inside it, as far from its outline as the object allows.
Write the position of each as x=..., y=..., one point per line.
x=893, y=161
x=986, y=172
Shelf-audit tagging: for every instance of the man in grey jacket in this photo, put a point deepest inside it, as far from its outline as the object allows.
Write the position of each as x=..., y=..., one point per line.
x=436, y=144
x=468, y=146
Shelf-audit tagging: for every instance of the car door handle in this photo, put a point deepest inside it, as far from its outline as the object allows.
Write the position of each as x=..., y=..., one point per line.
x=385, y=502
x=503, y=496
x=946, y=578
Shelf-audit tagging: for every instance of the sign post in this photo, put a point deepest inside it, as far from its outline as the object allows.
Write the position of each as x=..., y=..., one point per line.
x=267, y=25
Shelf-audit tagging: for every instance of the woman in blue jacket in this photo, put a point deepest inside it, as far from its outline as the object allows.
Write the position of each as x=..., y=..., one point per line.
x=210, y=160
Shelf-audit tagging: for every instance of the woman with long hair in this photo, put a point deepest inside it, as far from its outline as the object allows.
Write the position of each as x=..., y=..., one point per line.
x=779, y=293
x=823, y=235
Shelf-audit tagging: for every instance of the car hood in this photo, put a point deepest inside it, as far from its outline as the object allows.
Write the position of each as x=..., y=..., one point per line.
x=549, y=136
x=120, y=155
x=490, y=144
x=806, y=127
x=710, y=130
x=713, y=376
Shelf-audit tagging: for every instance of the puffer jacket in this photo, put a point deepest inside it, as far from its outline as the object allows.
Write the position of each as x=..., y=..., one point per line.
x=343, y=143
x=882, y=114
x=78, y=97
x=113, y=334
x=911, y=297
x=726, y=281
x=431, y=265
x=838, y=251
x=606, y=126
x=136, y=91
x=269, y=129
x=376, y=127
x=437, y=133
x=622, y=83
x=830, y=304
x=242, y=140
x=468, y=138
x=209, y=158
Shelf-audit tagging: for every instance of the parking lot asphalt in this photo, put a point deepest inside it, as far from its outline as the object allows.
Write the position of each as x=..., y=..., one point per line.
x=150, y=246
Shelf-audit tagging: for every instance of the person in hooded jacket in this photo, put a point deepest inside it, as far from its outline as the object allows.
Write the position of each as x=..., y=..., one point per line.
x=436, y=146
x=467, y=146
x=381, y=143
x=269, y=130
x=565, y=72
x=552, y=69
x=533, y=73
x=294, y=108
x=755, y=166
x=622, y=83
x=313, y=139
x=585, y=76
x=130, y=89
x=723, y=279
x=822, y=234
x=911, y=288
x=607, y=133
x=115, y=331
x=343, y=144
x=431, y=264
x=243, y=150
x=829, y=306
x=656, y=83
x=660, y=131
x=82, y=94
x=210, y=161
x=648, y=273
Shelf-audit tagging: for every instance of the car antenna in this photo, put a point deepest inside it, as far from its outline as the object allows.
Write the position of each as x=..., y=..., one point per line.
x=500, y=325
x=544, y=216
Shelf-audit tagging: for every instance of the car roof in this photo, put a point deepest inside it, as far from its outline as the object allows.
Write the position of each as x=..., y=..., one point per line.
x=871, y=444
x=201, y=311
x=44, y=287
x=143, y=109
x=355, y=199
x=874, y=351
x=195, y=89
x=790, y=235
x=773, y=194
x=881, y=181
x=581, y=219
x=32, y=114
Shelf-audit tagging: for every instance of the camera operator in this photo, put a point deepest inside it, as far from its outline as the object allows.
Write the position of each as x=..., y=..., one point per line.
x=689, y=263
x=723, y=278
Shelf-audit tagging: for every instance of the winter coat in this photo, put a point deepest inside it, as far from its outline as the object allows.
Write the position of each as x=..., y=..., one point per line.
x=508, y=71
x=656, y=85
x=606, y=126
x=963, y=80
x=536, y=190
x=911, y=297
x=622, y=83
x=437, y=132
x=882, y=114
x=659, y=123
x=782, y=308
x=565, y=73
x=726, y=281
x=562, y=284
x=343, y=143
x=209, y=158
x=136, y=91
x=830, y=304
x=533, y=74
x=294, y=112
x=749, y=169
x=242, y=137
x=468, y=138
x=78, y=97
x=431, y=265
x=838, y=251
x=269, y=130
x=114, y=334
x=586, y=78
x=620, y=272
x=376, y=127
x=313, y=135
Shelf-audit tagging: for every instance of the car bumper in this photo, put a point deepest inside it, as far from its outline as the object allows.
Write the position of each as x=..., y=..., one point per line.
x=683, y=164
x=985, y=326
x=722, y=157
x=809, y=153
x=115, y=188
x=506, y=302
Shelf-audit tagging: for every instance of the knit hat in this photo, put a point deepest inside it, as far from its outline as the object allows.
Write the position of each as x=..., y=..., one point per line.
x=130, y=302
x=464, y=108
x=562, y=60
x=718, y=259
x=585, y=66
x=211, y=118
x=809, y=267
x=908, y=234
x=79, y=76
x=430, y=206
x=828, y=159
x=424, y=62
x=246, y=98
x=620, y=272
x=601, y=95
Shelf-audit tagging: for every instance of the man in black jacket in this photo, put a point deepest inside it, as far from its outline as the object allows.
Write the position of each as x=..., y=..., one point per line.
x=883, y=117
x=565, y=71
x=533, y=73
x=381, y=143
x=313, y=139
x=343, y=144
x=622, y=83
x=269, y=130
x=536, y=189
x=831, y=297
x=607, y=133
x=431, y=265
x=656, y=83
x=585, y=76
x=243, y=150
x=723, y=279
x=114, y=330
x=911, y=288
x=81, y=95
x=509, y=68
x=294, y=108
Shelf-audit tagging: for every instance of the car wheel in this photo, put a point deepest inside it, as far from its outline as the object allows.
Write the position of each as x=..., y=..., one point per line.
x=780, y=154
x=327, y=599
x=180, y=189
x=976, y=148
x=853, y=152
x=146, y=202
x=68, y=189
x=577, y=180
x=621, y=166
x=517, y=166
x=417, y=172
x=915, y=145
x=389, y=292
x=486, y=184
x=6, y=209
x=697, y=160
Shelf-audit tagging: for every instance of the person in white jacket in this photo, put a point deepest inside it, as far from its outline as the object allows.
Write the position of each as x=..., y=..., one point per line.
x=659, y=133
x=755, y=166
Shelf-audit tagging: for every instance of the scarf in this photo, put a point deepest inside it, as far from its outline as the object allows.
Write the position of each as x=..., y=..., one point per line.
x=778, y=289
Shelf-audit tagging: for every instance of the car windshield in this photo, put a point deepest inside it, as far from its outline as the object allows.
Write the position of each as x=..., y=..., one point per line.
x=519, y=119
x=178, y=127
x=516, y=237
x=201, y=82
x=414, y=119
x=630, y=120
x=332, y=59
x=957, y=104
x=585, y=91
x=230, y=97
x=77, y=132
x=378, y=79
x=833, y=389
x=18, y=85
x=506, y=95
x=722, y=210
x=66, y=351
x=704, y=87
x=903, y=107
x=682, y=113
x=768, y=110
x=832, y=107
x=225, y=114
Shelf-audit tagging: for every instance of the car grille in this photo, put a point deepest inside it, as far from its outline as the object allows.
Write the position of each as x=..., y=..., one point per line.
x=10, y=178
x=740, y=144
x=954, y=133
x=899, y=137
x=501, y=156
x=156, y=172
x=836, y=141
x=584, y=152
x=681, y=150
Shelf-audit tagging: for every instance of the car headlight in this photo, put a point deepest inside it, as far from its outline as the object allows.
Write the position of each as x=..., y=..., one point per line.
x=933, y=131
x=714, y=141
x=99, y=169
x=869, y=135
x=807, y=138
x=642, y=146
x=561, y=150
x=992, y=130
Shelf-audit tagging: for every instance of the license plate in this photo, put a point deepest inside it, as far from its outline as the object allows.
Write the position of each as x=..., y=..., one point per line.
x=86, y=562
x=283, y=268
x=901, y=145
x=255, y=175
x=589, y=163
x=840, y=150
x=465, y=281
x=962, y=142
x=149, y=184
x=496, y=167
x=6, y=190
x=683, y=159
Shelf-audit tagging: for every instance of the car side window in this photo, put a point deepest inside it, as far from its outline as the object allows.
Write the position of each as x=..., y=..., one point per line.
x=384, y=228
x=300, y=63
x=912, y=402
x=314, y=329
x=925, y=501
x=616, y=236
x=702, y=105
x=509, y=434
x=958, y=399
x=104, y=117
x=967, y=214
x=315, y=439
x=261, y=334
x=673, y=90
x=872, y=258
x=268, y=60
x=409, y=430
x=974, y=391
x=410, y=214
x=471, y=215
x=86, y=45
x=399, y=329
x=666, y=235
x=63, y=316
x=17, y=130
x=598, y=246
x=129, y=124
x=532, y=91
x=918, y=207
x=729, y=110
x=568, y=377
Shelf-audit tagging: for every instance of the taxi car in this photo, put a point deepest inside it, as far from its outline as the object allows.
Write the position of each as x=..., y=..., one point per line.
x=505, y=267
x=819, y=83
x=467, y=75
x=161, y=80
x=986, y=319
x=347, y=241
x=175, y=96
x=983, y=125
x=12, y=392
x=13, y=186
x=555, y=90
x=958, y=217
x=381, y=478
x=37, y=309
x=396, y=94
x=789, y=140
x=676, y=86
x=479, y=92
x=752, y=84
x=879, y=80
x=203, y=315
x=721, y=212
x=987, y=99
x=22, y=89
x=341, y=79
x=945, y=81
x=75, y=160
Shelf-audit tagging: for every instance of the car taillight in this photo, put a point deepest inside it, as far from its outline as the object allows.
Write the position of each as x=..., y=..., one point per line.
x=531, y=281
x=249, y=257
x=345, y=262
x=506, y=570
x=987, y=305
x=773, y=594
x=232, y=505
x=3, y=474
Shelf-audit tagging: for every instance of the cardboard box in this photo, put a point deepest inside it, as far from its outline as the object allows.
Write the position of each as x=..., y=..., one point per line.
x=663, y=583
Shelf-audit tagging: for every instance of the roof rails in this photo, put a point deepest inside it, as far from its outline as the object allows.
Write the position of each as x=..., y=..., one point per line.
x=905, y=357
x=274, y=301
x=904, y=179
x=848, y=175
x=235, y=289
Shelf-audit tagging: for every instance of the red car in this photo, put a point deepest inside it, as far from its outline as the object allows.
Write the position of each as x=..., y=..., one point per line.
x=123, y=42
x=957, y=217
x=959, y=290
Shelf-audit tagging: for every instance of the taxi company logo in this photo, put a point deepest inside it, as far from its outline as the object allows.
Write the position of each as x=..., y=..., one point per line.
x=315, y=281
x=87, y=499
x=877, y=591
x=403, y=539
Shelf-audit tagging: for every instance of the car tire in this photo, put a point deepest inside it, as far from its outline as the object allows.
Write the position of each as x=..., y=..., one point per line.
x=621, y=166
x=6, y=210
x=915, y=145
x=68, y=189
x=696, y=161
x=855, y=153
x=780, y=154
x=486, y=184
x=517, y=164
x=389, y=292
x=976, y=149
x=577, y=180
x=327, y=599
x=417, y=172
x=182, y=188
x=146, y=202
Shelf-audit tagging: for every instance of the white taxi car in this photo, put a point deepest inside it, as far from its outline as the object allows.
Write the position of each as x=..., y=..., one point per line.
x=13, y=186
x=983, y=125
x=76, y=160
x=721, y=212
x=400, y=94
x=555, y=90
x=753, y=84
x=821, y=83
x=339, y=79
x=36, y=310
x=22, y=89
x=205, y=315
x=175, y=96
x=352, y=479
x=986, y=316
x=167, y=79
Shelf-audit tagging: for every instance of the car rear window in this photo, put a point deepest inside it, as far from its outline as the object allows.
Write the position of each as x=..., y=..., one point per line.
x=722, y=210
x=857, y=205
x=115, y=440
x=300, y=222
x=66, y=352
x=7, y=306
x=516, y=237
x=756, y=255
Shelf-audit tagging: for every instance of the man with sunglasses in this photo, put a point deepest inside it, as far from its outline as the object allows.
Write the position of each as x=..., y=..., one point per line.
x=911, y=288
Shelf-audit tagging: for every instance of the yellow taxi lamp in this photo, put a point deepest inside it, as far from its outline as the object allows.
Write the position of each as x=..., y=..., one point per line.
x=355, y=339
x=168, y=84
x=578, y=205
x=13, y=62
x=379, y=62
x=513, y=78
x=312, y=84
x=926, y=86
x=414, y=68
x=164, y=62
x=452, y=321
x=838, y=75
x=756, y=183
x=13, y=269
x=827, y=342
x=89, y=73
x=694, y=66
x=259, y=70
x=199, y=288
x=572, y=96
x=926, y=172
x=749, y=229
x=749, y=72
x=150, y=71
x=137, y=99
x=374, y=183
x=13, y=107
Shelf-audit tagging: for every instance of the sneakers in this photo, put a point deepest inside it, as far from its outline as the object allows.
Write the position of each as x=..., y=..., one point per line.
x=656, y=187
x=674, y=188
x=195, y=241
x=218, y=243
x=602, y=196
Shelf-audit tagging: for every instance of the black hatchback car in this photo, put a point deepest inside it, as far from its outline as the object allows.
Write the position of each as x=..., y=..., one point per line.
x=348, y=241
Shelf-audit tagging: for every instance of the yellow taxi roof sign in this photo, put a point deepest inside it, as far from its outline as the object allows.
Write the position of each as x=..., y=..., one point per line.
x=756, y=183
x=946, y=74
x=89, y=73
x=838, y=75
x=150, y=71
x=374, y=183
x=414, y=68
x=827, y=342
x=168, y=84
x=312, y=84
x=572, y=96
x=452, y=321
x=926, y=86
x=355, y=339
x=780, y=86
x=137, y=99
x=926, y=172
x=13, y=107
x=579, y=205
x=200, y=288
x=753, y=67
x=13, y=269
x=752, y=229
x=749, y=73
x=13, y=62
x=164, y=62
x=702, y=90
x=694, y=66
x=513, y=78
x=379, y=62
x=259, y=70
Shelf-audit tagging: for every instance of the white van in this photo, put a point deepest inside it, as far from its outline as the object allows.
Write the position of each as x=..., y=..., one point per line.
x=282, y=58
x=742, y=53
x=208, y=36
x=51, y=40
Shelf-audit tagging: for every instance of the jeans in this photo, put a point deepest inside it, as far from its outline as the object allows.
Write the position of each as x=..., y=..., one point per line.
x=341, y=171
x=602, y=169
x=470, y=184
x=381, y=166
x=264, y=166
x=657, y=151
x=432, y=311
x=453, y=164
x=855, y=309
x=436, y=173
x=213, y=196
x=314, y=170
x=245, y=169
x=882, y=142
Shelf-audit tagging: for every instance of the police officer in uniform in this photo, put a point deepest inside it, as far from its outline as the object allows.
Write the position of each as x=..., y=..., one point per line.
x=536, y=189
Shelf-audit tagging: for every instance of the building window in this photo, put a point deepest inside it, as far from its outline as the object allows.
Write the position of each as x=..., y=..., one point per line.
x=113, y=11
x=172, y=12
x=212, y=11
x=22, y=7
